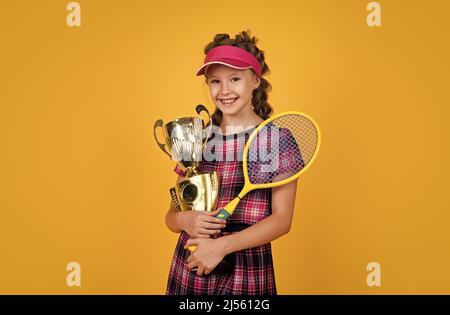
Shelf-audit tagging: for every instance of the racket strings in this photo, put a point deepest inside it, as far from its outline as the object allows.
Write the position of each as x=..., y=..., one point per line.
x=281, y=149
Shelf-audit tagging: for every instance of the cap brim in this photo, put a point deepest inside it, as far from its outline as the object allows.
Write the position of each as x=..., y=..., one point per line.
x=235, y=65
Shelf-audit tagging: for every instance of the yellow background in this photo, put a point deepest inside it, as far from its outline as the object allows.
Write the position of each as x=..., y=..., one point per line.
x=82, y=179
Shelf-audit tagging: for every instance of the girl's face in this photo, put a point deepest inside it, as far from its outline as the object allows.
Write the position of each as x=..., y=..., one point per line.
x=231, y=89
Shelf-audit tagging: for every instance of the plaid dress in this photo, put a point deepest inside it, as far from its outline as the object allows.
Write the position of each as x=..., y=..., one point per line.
x=253, y=272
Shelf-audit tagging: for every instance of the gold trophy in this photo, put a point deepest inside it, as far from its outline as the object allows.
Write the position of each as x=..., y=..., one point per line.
x=185, y=139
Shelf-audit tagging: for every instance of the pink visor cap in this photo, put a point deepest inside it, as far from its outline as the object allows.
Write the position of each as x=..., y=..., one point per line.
x=231, y=56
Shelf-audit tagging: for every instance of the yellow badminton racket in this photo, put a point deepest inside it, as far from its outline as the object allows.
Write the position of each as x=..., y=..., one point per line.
x=277, y=152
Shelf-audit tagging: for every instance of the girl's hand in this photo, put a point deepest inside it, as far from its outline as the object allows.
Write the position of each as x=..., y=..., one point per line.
x=201, y=223
x=208, y=254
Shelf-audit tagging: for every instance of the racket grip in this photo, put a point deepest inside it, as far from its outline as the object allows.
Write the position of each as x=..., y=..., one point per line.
x=223, y=214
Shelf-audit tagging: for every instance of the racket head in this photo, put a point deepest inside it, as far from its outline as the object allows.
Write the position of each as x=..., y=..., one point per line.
x=293, y=137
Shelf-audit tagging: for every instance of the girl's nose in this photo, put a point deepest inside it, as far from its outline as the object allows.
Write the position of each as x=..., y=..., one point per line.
x=224, y=88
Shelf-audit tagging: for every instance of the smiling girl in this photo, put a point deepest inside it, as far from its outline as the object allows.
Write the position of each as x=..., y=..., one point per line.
x=233, y=71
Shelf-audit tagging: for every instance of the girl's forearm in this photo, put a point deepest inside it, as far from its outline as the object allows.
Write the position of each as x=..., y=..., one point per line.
x=263, y=232
x=174, y=221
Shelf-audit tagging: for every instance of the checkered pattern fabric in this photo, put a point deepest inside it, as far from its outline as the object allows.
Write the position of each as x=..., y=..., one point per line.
x=253, y=272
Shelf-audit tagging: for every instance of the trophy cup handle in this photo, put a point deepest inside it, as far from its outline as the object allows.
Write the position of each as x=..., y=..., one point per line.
x=159, y=124
x=199, y=108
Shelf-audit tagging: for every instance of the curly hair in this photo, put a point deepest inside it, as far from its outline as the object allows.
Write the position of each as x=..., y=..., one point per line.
x=260, y=95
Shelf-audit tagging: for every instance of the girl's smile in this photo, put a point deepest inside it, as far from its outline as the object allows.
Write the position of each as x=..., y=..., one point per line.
x=228, y=101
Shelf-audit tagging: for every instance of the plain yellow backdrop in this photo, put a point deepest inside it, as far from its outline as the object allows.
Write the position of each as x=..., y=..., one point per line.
x=83, y=180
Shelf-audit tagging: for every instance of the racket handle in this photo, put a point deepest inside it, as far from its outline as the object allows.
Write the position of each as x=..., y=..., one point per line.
x=223, y=214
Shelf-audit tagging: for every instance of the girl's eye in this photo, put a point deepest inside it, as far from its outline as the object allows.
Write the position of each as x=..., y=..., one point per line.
x=215, y=81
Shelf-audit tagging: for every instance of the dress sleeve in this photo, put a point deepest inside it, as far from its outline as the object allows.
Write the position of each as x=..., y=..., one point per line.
x=291, y=160
x=179, y=171
x=283, y=161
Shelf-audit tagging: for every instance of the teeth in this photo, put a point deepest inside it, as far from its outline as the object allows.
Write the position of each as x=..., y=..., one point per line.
x=228, y=101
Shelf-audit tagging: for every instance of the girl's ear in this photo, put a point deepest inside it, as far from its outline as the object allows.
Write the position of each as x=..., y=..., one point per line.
x=257, y=82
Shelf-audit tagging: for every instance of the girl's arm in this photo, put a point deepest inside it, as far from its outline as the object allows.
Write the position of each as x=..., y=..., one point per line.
x=210, y=252
x=271, y=227
x=173, y=217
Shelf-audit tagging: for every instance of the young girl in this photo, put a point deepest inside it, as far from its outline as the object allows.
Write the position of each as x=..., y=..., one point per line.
x=233, y=71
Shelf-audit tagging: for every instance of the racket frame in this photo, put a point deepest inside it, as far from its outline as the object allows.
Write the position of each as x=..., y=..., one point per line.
x=248, y=186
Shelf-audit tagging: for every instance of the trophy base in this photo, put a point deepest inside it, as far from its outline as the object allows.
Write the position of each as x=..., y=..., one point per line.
x=199, y=193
